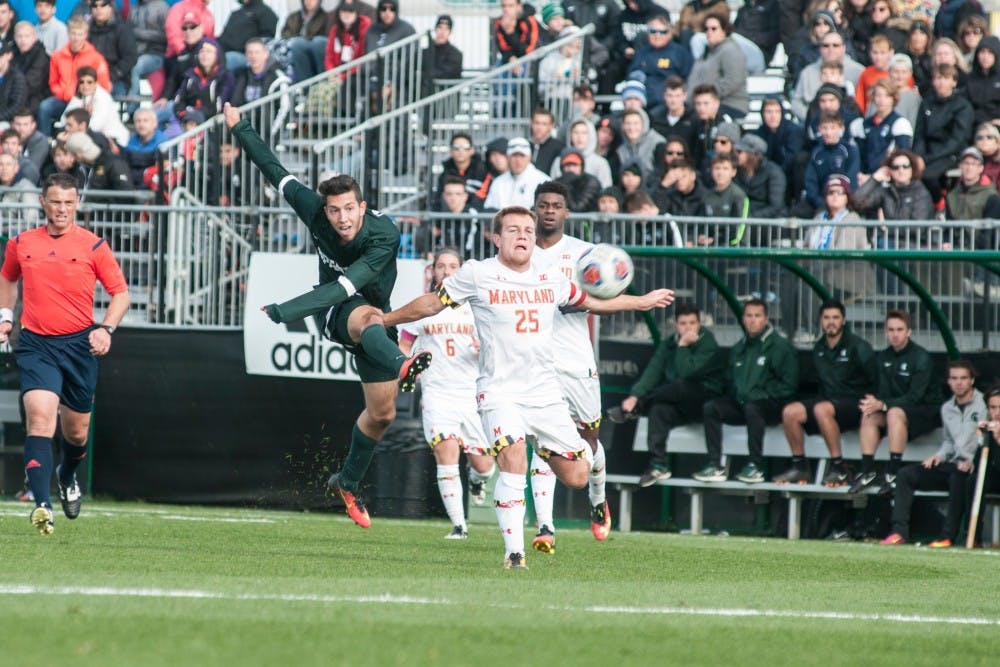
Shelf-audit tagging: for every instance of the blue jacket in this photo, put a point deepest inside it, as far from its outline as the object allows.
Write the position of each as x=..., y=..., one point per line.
x=841, y=158
x=657, y=65
x=876, y=141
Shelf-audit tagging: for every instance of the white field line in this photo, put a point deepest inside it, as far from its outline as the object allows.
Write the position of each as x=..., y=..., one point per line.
x=389, y=599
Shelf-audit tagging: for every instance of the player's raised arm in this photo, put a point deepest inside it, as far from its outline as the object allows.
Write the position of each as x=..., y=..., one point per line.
x=304, y=200
x=659, y=298
x=423, y=306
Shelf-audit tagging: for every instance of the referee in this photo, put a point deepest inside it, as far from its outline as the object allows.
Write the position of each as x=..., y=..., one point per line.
x=59, y=342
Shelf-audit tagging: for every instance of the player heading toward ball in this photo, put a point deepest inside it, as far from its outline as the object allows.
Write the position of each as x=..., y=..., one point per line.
x=357, y=251
x=515, y=302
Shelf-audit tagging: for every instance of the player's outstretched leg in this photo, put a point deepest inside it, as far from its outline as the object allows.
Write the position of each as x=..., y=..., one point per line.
x=600, y=515
x=383, y=350
x=38, y=467
x=543, y=491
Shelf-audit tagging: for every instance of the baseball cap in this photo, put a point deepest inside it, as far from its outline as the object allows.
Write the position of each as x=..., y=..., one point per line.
x=519, y=145
x=445, y=20
x=971, y=151
x=572, y=156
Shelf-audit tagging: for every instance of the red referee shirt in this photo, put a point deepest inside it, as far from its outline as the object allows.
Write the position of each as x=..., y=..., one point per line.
x=59, y=275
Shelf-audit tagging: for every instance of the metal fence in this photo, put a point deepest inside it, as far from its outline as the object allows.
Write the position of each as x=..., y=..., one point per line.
x=291, y=118
x=187, y=265
x=394, y=155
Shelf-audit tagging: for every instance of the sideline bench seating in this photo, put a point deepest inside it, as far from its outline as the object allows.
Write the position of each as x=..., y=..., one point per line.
x=690, y=439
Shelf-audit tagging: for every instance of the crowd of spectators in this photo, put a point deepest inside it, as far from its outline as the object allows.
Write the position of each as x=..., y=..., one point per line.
x=895, y=101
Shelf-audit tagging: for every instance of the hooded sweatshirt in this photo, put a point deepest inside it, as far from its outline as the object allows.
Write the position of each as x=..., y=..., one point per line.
x=593, y=164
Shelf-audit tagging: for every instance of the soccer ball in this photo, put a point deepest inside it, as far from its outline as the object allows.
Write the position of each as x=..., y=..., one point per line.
x=604, y=271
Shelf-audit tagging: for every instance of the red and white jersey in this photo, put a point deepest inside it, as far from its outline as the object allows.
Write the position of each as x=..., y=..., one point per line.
x=450, y=337
x=515, y=318
x=575, y=353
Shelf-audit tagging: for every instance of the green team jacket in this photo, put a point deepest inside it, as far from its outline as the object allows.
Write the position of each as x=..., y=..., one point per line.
x=699, y=362
x=763, y=367
x=906, y=378
x=367, y=264
x=848, y=370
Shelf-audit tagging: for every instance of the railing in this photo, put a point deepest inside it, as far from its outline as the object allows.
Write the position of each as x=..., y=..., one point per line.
x=944, y=273
x=291, y=118
x=187, y=265
x=393, y=155
x=184, y=264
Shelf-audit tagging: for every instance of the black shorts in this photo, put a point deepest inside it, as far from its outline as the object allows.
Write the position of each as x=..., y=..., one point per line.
x=845, y=412
x=921, y=419
x=63, y=365
x=335, y=328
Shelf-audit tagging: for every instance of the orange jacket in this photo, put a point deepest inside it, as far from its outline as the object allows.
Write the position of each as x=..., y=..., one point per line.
x=64, y=64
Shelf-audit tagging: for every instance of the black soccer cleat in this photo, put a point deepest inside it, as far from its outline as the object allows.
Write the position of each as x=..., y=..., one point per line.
x=411, y=369
x=69, y=496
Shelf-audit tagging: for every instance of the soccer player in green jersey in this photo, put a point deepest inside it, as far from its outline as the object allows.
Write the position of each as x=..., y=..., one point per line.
x=357, y=251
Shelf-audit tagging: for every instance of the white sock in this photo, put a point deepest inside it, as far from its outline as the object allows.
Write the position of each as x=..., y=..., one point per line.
x=598, y=474
x=543, y=489
x=476, y=476
x=508, y=497
x=450, y=486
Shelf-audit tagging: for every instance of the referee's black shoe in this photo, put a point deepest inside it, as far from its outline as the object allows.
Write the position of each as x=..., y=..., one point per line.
x=69, y=496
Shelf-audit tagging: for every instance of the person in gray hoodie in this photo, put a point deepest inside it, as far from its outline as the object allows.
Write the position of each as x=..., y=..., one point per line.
x=639, y=142
x=583, y=138
x=952, y=466
x=387, y=28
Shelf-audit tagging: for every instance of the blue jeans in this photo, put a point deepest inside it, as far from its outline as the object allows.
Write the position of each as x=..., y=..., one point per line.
x=307, y=56
x=144, y=66
x=236, y=62
x=49, y=112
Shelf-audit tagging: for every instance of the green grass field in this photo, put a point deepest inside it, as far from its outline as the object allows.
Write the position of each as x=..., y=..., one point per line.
x=132, y=584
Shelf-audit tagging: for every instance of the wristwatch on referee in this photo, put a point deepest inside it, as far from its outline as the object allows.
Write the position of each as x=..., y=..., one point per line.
x=107, y=327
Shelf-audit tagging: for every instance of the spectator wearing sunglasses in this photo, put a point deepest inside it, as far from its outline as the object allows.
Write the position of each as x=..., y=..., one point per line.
x=388, y=28
x=114, y=39
x=182, y=15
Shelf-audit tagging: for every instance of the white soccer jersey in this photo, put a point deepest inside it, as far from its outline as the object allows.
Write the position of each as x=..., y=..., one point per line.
x=450, y=337
x=515, y=313
x=575, y=353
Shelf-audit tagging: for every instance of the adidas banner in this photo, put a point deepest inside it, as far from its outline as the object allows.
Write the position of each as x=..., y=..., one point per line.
x=296, y=349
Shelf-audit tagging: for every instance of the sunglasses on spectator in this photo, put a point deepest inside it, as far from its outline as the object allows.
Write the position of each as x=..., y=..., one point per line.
x=386, y=8
x=657, y=31
x=980, y=137
x=461, y=147
x=188, y=27
x=901, y=165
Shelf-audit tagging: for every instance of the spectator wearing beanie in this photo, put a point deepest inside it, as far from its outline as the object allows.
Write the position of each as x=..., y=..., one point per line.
x=583, y=189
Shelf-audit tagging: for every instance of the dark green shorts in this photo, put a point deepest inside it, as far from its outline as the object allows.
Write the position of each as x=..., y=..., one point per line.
x=336, y=330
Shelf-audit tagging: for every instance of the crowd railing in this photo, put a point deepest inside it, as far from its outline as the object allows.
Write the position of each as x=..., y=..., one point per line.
x=187, y=264
x=291, y=118
x=393, y=155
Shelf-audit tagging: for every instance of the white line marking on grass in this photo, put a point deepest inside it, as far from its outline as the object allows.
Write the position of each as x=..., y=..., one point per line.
x=105, y=591
x=386, y=598
x=108, y=513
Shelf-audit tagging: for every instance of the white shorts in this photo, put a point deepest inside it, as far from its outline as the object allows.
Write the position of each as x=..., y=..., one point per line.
x=443, y=421
x=583, y=394
x=553, y=430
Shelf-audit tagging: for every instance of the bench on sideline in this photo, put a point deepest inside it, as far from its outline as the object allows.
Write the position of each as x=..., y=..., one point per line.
x=690, y=439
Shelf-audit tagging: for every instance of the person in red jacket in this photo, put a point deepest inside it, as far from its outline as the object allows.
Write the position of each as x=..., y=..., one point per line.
x=176, y=18
x=63, y=66
x=346, y=41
